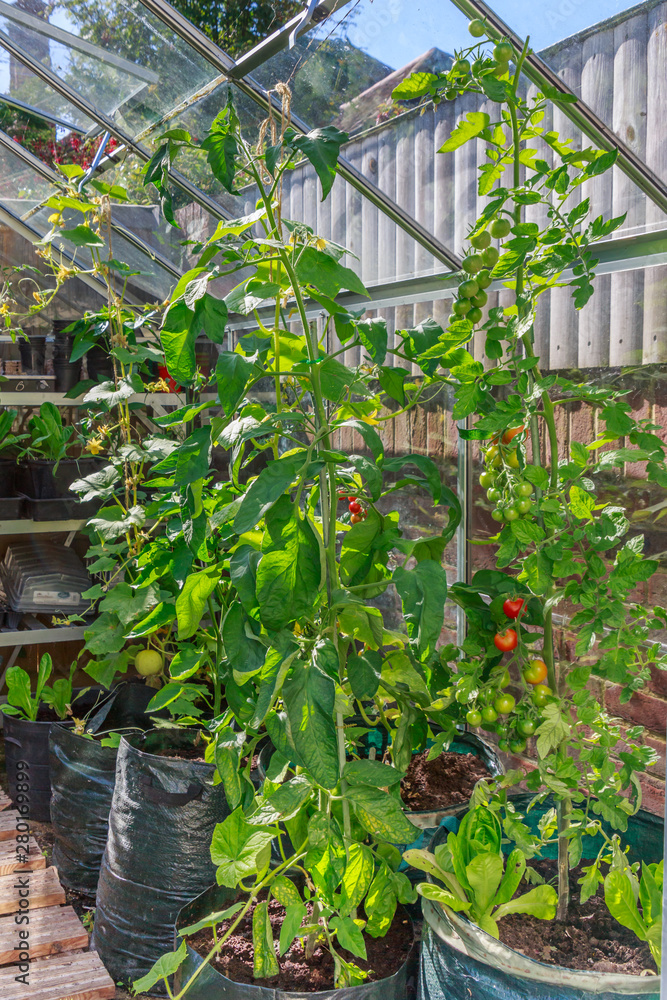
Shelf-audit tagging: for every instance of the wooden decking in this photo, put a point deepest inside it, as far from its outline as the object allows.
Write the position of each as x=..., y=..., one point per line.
x=57, y=965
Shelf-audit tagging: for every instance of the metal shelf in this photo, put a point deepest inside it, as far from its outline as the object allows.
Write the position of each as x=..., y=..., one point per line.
x=24, y=526
x=35, y=636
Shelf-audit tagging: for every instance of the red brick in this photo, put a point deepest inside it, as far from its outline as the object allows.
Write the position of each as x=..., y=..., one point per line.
x=653, y=795
x=643, y=709
x=658, y=682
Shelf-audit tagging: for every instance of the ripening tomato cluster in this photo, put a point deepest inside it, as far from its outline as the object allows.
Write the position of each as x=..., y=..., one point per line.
x=499, y=65
x=357, y=511
x=511, y=494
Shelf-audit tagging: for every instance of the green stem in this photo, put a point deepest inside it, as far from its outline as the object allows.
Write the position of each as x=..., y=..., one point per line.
x=217, y=692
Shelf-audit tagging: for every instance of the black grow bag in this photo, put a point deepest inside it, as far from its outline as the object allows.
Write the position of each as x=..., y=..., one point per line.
x=163, y=814
x=459, y=960
x=212, y=985
x=83, y=775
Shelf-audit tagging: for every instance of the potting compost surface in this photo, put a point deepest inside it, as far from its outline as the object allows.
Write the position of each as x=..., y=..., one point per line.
x=590, y=939
x=297, y=972
x=445, y=781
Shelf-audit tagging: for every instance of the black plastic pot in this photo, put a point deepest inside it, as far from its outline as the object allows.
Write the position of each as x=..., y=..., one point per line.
x=11, y=508
x=163, y=814
x=83, y=775
x=212, y=985
x=47, y=488
x=100, y=364
x=7, y=477
x=32, y=353
x=459, y=960
x=67, y=372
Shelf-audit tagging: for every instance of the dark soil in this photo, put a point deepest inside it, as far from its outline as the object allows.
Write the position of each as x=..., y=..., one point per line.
x=590, y=939
x=182, y=753
x=445, y=781
x=297, y=973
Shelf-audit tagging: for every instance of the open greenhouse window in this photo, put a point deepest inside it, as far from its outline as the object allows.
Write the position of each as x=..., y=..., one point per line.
x=117, y=56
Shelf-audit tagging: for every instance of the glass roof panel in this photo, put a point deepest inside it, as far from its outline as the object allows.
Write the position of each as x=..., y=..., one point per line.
x=112, y=52
x=20, y=86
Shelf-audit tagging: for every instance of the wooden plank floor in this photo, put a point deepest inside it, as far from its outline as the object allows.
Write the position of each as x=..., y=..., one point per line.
x=8, y=820
x=11, y=858
x=59, y=968
x=5, y=801
x=43, y=886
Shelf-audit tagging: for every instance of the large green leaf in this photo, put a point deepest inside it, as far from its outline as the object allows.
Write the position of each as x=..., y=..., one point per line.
x=540, y=902
x=289, y=572
x=359, y=870
x=265, y=963
x=192, y=458
x=18, y=691
x=165, y=967
x=381, y=814
x=245, y=653
x=192, y=599
x=484, y=874
x=232, y=372
x=621, y=902
x=363, y=673
x=177, y=337
x=270, y=484
x=294, y=916
x=371, y=772
x=466, y=129
x=239, y=849
x=221, y=146
x=321, y=147
x=423, y=591
x=319, y=269
x=373, y=335
x=309, y=699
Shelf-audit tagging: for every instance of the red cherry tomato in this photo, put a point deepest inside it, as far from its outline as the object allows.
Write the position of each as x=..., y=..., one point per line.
x=355, y=518
x=536, y=672
x=511, y=433
x=513, y=608
x=506, y=641
x=355, y=507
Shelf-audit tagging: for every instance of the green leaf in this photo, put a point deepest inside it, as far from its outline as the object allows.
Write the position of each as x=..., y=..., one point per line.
x=245, y=653
x=484, y=874
x=359, y=871
x=18, y=692
x=294, y=917
x=314, y=267
x=165, y=967
x=265, y=963
x=621, y=903
x=232, y=372
x=309, y=699
x=515, y=866
x=221, y=146
x=467, y=128
x=373, y=336
x=552, y=732
x=289, y=573
x=540, y=902
x=442, y=896
x=212, y=920
x=392, y=381
x=110, y=395
x=226, y=755
x=271, y=483
x=105, y=634
x=363, y=676
x=415, y=85
x=285, y=891
x=177, y=337
x=349, y=935
x=581, y=503
x=381, y=814
x=371, y=772
x=423, y=591
x=321, y=147
x=192, y=599
x=81, y=236
x=239, y=849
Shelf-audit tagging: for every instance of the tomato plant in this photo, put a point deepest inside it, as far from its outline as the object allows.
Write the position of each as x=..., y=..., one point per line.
x=512, y=607
x=536, y=672
x=506, y=641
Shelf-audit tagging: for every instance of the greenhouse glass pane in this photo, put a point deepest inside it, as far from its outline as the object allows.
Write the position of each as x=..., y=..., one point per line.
x=114, y=53
x=18, y=83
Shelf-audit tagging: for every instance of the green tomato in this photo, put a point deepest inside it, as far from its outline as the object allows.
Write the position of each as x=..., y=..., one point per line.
x=483, y=278
x=500, y=228
x=451, y=95
x=511, y=513
x=493, y=495
x=504, y=704
x=490, y=256
x=503, y=52
x=497, y=514
x=474, y=718
x=475, y=315
x=517, y=746
x=504, y=745
x=524, y=489
x=541, y=694
x=487, y=479
x=489, y=714
x=461, y=67
x=526, y=727
x=505, y=679
x=500, y=69
x=480, y=299
x=501, y=729
x=476, y=28
x=524, y=506
x=481, y=240
x=512, y=459
x=468, y=288
x=474, y=262
x=461, y=307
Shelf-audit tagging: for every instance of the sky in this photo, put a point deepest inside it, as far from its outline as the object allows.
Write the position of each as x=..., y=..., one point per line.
x=396, y=31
